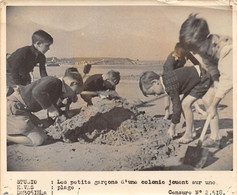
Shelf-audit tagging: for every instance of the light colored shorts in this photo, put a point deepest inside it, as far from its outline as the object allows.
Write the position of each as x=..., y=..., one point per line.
x=19, y=119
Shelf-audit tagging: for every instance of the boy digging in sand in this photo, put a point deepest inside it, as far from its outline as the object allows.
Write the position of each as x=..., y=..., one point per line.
x=193, y=82
x=177, y=59
x=216, y=52
x=22, y=125
x=100, y=85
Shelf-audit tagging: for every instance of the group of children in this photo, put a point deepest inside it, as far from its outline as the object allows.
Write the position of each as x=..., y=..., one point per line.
x=193, y=82
x=26, y=96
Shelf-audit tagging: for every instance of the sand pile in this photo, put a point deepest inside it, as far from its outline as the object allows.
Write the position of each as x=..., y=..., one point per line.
x=117, y=123
x=112, y=122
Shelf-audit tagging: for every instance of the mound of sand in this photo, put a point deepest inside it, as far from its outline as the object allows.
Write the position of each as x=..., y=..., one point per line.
x=118, y=123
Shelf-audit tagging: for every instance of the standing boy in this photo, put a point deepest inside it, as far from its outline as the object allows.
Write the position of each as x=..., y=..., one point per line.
x=216, y=52
x=192, y=81
x=42, y=94
x=21, y=63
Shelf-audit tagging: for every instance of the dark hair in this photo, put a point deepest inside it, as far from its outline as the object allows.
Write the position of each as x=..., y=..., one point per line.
x=70, y=70
x=87, y=68
x=42, y=37
x=74, y=74
x=193, y=32
x=146, y=79
x=113, y=76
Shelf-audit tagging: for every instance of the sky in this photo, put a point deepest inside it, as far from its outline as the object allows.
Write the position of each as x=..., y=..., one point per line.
x=136, y=32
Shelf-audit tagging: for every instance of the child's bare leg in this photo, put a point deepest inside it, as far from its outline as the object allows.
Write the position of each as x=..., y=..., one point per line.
x=194, y=133
x=187, y=108
x=167, y=107
x=199, y=110
x=215, y=128
x=214, y=123
x=35, y=137
x=19, y=139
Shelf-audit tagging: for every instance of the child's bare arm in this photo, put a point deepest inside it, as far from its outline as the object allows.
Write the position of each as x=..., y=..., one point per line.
x=32, y=76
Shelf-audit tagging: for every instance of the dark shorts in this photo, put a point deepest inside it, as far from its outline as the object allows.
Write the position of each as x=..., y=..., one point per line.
x=200, y=89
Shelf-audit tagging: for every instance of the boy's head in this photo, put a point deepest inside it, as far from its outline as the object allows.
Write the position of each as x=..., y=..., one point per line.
x=180, y=51
x=150, y=84
x=73, y=82
x=113, y=77
x=193, y=33
x=42, y=41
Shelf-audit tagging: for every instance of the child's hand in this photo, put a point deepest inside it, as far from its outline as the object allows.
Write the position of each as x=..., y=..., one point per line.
x=113, y=94
x=171, y=131
x=108, y=94
x=52, y=112
x=103, y=94
x=74, y=99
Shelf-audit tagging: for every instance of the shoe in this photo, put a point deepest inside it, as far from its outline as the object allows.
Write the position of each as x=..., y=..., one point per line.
x=211, y=143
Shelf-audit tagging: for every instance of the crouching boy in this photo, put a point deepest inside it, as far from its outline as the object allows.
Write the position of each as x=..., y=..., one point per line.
x=43, y=94
x=98, y=84
x=193, y=82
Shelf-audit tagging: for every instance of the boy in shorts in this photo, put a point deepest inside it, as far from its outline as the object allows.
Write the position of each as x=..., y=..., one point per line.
x=217, y=54
x=177, y=59
x=20, y=64
x=193, y=82
x=43, y=94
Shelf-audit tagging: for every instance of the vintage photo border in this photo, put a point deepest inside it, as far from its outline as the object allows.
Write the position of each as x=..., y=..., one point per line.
x=224, y=180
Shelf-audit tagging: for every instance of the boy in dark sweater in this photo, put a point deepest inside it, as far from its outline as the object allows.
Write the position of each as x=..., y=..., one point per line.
x=193, y=82
x=96, y=84
x=20, y=64
x=177, y=59
x=42, y=94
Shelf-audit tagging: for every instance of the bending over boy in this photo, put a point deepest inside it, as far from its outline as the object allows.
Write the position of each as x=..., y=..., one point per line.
x=42, y=94
x=177, y=59
x=98, y=83
x=217, y=53
x=192, y=81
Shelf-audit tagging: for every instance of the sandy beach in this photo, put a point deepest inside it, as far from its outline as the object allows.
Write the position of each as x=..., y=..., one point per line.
x=138, y=141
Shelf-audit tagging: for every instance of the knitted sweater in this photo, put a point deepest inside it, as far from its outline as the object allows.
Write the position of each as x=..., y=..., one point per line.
x=97, y=83
x=41, y=94
x=22, y=62
x=177, y=82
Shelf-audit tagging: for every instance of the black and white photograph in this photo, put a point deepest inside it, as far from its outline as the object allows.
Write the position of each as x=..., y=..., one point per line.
x=101, y=88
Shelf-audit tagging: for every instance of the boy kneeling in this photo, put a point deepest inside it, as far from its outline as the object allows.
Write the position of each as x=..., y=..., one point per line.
x=193, y=82
x=42, y=94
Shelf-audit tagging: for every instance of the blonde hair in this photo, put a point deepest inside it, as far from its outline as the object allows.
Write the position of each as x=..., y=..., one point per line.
x=146, y=79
